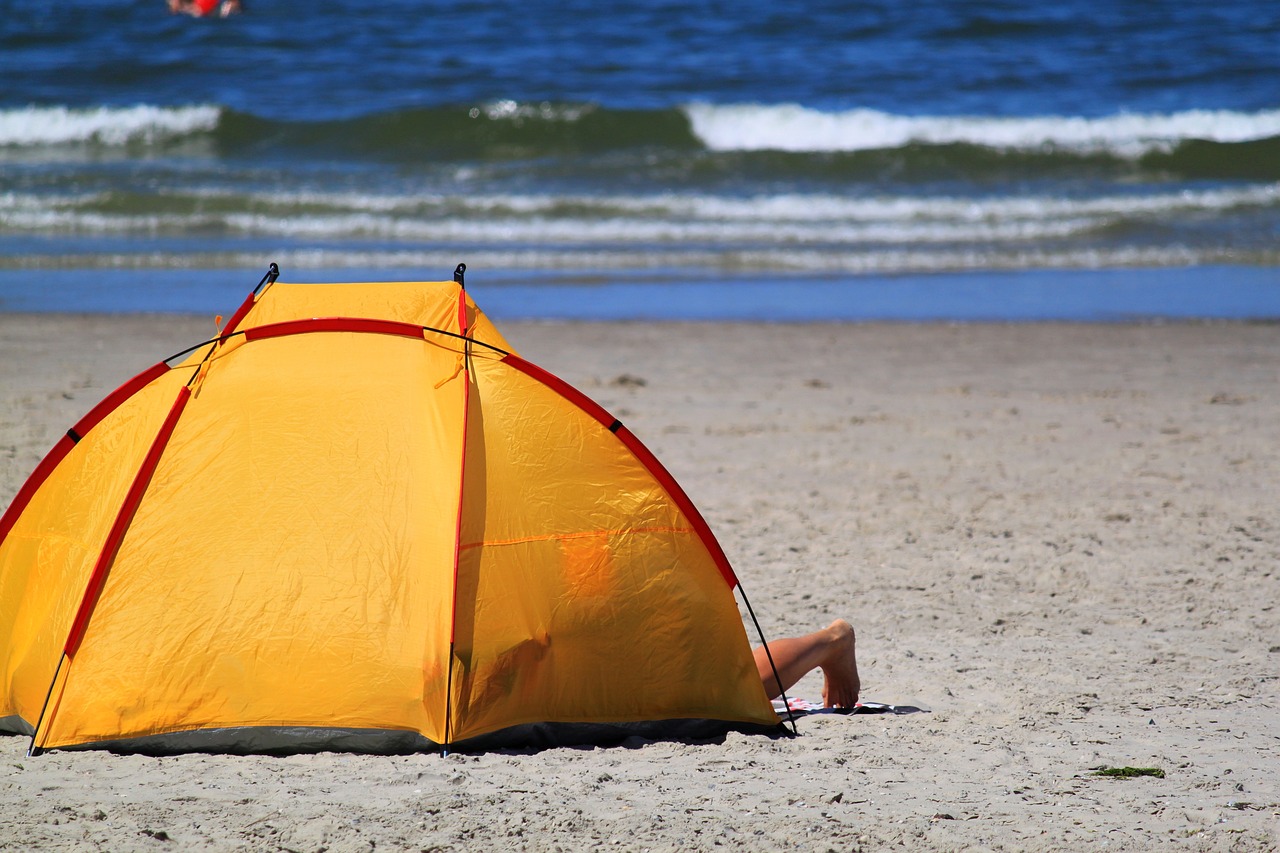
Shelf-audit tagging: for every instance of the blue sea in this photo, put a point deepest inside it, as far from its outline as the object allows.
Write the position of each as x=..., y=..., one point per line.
x=807, y=160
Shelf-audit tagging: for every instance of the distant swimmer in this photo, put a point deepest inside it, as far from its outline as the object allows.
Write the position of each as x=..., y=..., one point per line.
x=204, y=8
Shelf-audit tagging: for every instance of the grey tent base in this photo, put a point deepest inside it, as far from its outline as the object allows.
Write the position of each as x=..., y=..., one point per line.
x=297, y=740
x=16, y=725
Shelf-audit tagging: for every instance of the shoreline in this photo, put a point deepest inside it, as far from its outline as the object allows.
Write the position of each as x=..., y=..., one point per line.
x=1054, y=535
x=1111, y=295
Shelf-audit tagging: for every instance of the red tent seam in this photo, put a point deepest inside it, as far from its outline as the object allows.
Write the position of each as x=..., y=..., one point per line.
x=65, y=444
x=123, y=518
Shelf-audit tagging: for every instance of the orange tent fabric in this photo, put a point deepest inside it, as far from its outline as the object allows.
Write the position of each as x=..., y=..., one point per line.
x=358, y=510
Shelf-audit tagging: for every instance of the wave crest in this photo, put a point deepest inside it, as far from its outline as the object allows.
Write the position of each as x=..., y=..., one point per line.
x=30, y=126
x=795, y=128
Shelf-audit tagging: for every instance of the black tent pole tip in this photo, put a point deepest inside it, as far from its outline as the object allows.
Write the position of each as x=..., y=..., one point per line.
x=273, y=273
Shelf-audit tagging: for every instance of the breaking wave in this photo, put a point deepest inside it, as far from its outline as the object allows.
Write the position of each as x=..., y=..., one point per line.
x=513, y=130
x=791, y=127
x=778, y=187
x=39, y=126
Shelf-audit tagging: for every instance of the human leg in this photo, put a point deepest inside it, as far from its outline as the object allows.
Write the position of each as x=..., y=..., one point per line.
x=832, y=649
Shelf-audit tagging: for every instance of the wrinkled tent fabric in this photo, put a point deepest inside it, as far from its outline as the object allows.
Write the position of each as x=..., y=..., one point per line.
x=358, y=511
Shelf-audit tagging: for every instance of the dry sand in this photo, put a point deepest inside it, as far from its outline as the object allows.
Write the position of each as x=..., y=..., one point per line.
x=1063, y=539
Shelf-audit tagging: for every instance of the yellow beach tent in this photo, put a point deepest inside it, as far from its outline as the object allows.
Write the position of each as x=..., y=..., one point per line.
x=356, y=519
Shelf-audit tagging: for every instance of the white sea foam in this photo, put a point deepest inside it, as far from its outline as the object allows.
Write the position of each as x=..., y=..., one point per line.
x=626, y=220
x=665, y=260
x=815, y=208
x=814, y=261
x=790, y=127
x=103, y=125
x=588, y=232
x=570, y=232
x=508, y=110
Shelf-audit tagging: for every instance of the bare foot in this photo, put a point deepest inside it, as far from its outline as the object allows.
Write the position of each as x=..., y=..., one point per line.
x=840, y=668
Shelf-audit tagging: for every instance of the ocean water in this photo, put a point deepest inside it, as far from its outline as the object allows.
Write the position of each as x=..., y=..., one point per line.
x=937, y=159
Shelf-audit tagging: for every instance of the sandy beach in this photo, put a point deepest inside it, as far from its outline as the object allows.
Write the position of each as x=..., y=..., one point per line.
x=1060, y=539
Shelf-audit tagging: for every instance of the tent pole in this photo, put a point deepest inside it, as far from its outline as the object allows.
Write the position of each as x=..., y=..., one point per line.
x=448, y=694
x=33, y=750
x=458, y=275
x=772, y=666
x=110, y=548
x=273, y=272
